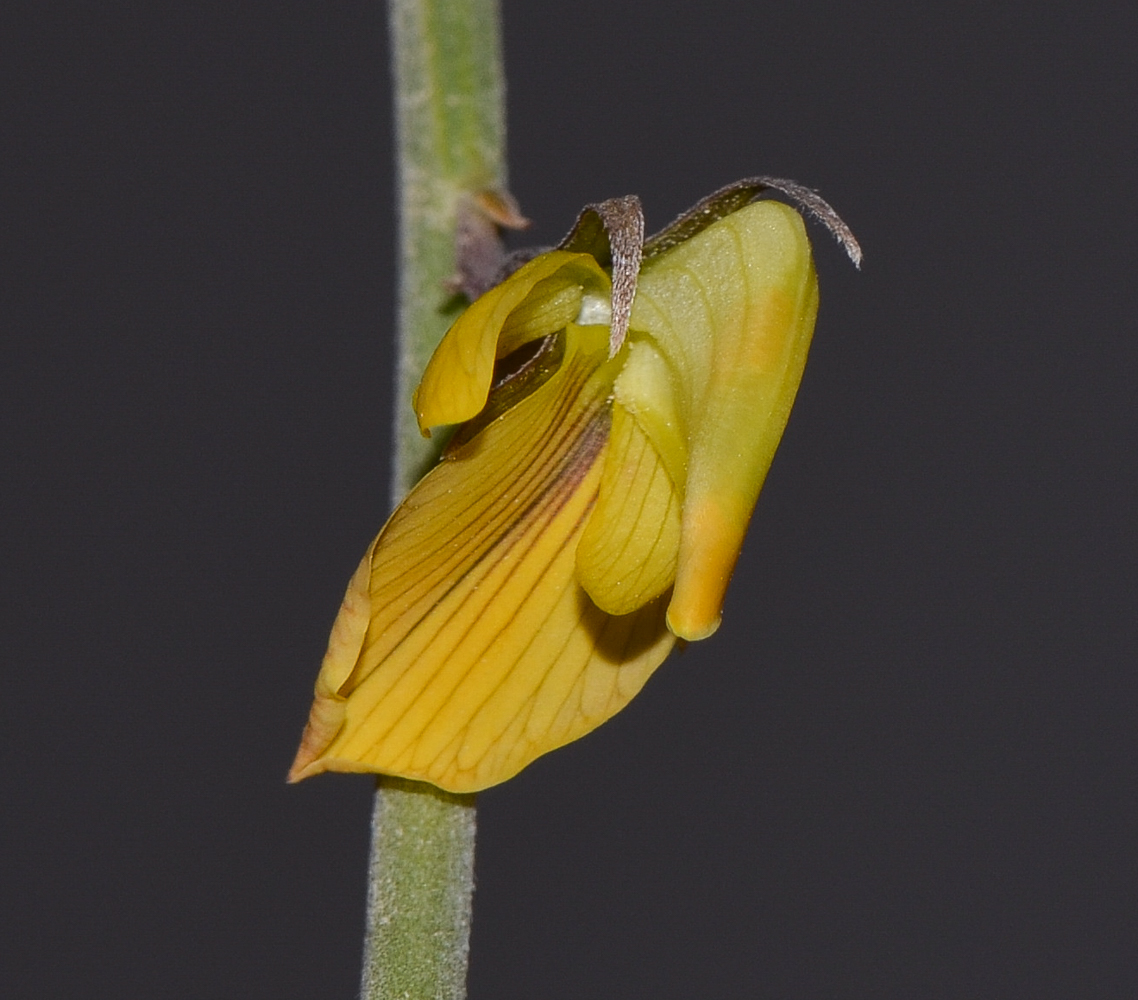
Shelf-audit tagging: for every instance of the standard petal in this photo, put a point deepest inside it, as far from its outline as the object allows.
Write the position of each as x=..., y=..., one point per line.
x=482, y=651
x=627, y=554
x=540, y=298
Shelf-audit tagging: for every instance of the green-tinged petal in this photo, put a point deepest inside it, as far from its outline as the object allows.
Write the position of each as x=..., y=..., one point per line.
x=627, y=554
x=650, y=390
x=481, y=650
x=534, y=302
x=732, y=310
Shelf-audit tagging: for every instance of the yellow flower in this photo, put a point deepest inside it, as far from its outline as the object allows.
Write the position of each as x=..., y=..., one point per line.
x=616, y=421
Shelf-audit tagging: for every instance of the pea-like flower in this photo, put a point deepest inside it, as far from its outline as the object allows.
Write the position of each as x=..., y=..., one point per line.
x=618, y=405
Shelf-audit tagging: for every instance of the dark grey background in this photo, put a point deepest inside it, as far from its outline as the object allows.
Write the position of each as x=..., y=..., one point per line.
x=906, y=766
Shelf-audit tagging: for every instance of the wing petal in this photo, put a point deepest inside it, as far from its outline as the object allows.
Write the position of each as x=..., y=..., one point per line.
x=539, y=299
x=627, y=555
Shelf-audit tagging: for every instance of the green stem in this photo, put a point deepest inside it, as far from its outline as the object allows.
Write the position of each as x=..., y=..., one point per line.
x=450, y=141
x=450, y=130
x=421, y=878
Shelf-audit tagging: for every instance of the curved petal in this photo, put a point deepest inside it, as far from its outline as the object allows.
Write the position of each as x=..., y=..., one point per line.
x=627, y=554
x=538, y=299
x=732, y=309
x=481, y=650
x=651, y=391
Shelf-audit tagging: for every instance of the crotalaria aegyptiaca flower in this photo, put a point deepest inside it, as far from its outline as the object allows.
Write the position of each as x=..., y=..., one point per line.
x=618, y=404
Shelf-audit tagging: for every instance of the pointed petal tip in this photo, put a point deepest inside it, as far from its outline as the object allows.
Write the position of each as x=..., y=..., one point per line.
x=302, y=766
x=301, y=769
x=325, y=720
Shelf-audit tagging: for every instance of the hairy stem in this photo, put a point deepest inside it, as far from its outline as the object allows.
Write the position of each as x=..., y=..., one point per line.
x=450, y=132
x=450, y=142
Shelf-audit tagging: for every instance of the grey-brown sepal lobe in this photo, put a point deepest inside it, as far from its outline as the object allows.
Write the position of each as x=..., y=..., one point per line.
x=731, y=198
x=613, y=232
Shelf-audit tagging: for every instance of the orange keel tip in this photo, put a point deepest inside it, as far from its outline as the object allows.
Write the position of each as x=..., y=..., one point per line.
x=692, y=628
x=708, y=554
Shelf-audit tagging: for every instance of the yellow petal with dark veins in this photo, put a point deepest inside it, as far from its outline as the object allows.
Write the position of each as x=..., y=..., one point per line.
x=481, y=650
x=537, y=300
x=627, y=555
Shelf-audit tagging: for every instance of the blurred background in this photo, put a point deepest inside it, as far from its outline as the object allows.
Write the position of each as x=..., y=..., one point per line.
x=907, y=765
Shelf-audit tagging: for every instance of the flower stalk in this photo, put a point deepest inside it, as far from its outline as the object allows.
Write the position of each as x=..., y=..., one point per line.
x=449, y=94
